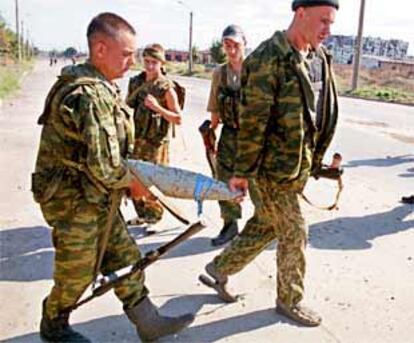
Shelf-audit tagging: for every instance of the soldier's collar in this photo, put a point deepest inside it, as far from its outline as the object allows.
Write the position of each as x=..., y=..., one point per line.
x=96, y=73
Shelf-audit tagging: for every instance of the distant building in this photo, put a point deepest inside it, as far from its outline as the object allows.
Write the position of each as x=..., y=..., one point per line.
x=176, y=55
x=395, y=67
x=343, y=47
x=203, y=57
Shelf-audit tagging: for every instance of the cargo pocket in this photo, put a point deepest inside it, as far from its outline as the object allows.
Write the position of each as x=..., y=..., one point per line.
x=46, y=183
x=113, y=145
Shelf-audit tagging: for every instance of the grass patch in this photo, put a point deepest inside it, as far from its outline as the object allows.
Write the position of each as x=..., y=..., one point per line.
x=383, y=94
x=376, y=84
x=10, y=77
x=181, y=69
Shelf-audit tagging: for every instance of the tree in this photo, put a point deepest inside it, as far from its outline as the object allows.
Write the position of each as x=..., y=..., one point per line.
x=195, y=54
x=8, y=39
x=70, y=52
x=216, y=51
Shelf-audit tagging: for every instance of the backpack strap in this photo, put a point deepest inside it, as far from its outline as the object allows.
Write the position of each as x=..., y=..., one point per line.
x=223, y=75
x=62, y=87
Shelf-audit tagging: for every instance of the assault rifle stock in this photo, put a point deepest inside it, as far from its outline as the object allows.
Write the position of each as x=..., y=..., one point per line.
x=105, y=283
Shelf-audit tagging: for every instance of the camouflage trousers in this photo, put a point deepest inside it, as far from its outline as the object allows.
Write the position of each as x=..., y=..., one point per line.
x=149, y=210
x=77, y=228
x=278, y=217
x=226, y=154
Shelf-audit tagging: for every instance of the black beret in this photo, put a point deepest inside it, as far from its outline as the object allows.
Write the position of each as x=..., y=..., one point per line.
x=308, y=3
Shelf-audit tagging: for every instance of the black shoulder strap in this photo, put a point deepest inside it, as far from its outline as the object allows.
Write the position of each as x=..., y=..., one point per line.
x=181, y=93
x=223, y=75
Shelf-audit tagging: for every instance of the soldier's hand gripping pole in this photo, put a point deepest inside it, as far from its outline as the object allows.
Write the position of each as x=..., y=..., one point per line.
x=107, y=282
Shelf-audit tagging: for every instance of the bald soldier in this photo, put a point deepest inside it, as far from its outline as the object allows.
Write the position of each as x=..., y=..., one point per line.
x=80, y=173
x=288, y=115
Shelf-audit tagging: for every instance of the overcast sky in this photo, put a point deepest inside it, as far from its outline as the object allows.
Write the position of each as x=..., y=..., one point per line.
x=62, y=23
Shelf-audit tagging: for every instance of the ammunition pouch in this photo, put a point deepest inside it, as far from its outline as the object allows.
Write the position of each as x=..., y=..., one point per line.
x=150, y=126
x=93, y=190
x=228, y=100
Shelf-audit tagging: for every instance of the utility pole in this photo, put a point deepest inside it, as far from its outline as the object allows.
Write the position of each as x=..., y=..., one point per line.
x=22, y=40
x=19, y=51
x=358, y=46
x=190, y=48
x=27, y=45
x=190, y=43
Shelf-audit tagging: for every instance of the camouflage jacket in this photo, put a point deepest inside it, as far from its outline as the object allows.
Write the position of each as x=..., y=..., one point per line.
x=87, y=132
x=280, y=137
x=148, y=125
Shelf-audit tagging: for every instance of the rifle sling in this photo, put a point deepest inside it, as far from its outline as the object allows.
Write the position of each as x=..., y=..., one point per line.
x=334, y=206
x=157, y=194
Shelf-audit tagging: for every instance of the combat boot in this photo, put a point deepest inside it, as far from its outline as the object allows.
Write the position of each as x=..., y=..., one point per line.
x=299, y=314
x=218, y=282
x=227, y=233
x=151, y=325
x=408, y=200
x=58, y=329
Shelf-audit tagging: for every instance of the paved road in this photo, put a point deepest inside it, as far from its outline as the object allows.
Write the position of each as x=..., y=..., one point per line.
x=361, y=260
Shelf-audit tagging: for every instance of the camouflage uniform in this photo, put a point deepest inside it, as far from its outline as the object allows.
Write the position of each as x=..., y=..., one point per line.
x=87, y=133
x=224, y=100
x=286, y=125
x=151, y=134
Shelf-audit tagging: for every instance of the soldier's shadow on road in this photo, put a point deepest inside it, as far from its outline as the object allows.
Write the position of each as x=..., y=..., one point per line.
x=118, y=329
x=409, y=173
x=193, y=246
x=26, y=254
x=388, y=161
x=358, y=232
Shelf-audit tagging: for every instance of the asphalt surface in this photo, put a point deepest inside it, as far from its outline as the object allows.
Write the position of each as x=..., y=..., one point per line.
x=360, y=272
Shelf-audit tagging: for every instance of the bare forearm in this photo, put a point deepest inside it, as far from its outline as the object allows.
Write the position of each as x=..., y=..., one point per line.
x=170, y=116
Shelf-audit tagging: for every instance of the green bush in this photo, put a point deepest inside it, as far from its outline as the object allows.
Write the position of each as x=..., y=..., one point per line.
x=10, y=78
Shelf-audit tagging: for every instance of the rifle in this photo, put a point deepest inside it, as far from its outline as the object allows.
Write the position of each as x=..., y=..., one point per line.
x=209, y=139
x=106, y=282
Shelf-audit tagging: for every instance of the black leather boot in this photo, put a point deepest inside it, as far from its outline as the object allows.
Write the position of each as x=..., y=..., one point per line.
x=151, y=325
x=58, y=329
x=227, y=233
